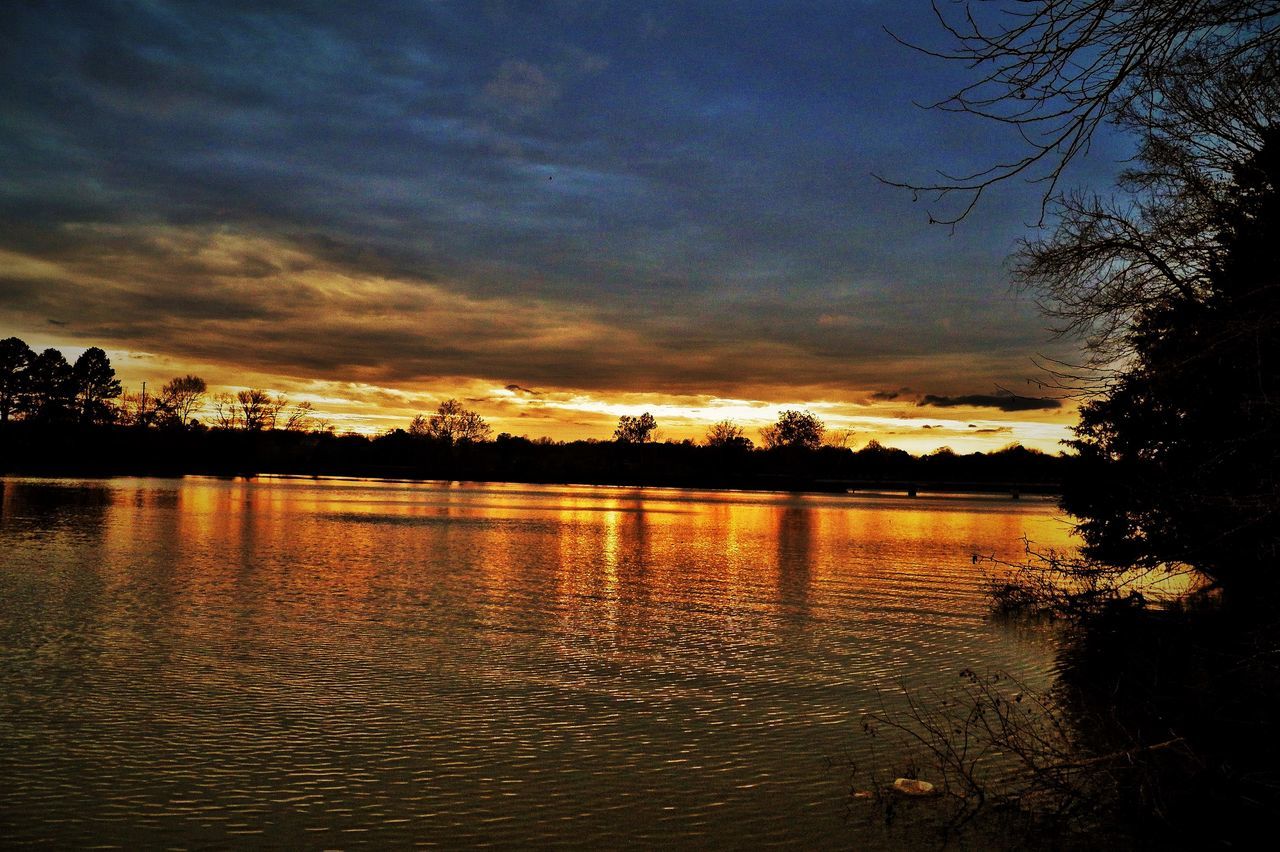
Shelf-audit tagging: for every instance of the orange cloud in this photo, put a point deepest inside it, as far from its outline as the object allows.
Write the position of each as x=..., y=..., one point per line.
x=371, y=347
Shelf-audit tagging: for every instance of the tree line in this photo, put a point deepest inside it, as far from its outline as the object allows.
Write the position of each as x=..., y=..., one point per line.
x=60, y=417
x=44, y=388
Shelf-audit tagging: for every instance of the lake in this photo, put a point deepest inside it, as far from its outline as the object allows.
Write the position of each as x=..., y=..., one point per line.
x=321, y=663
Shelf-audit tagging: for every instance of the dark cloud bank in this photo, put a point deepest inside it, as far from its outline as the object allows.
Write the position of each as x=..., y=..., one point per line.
x=1002, y=401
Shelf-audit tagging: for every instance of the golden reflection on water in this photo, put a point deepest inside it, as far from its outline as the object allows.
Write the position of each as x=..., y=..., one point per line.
x=613, y=551
x=463, y=664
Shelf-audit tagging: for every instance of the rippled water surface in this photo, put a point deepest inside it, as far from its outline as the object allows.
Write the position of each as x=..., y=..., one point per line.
x=331, y=663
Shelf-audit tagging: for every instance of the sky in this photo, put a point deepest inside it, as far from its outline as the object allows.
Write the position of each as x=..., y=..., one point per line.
x=558, y=212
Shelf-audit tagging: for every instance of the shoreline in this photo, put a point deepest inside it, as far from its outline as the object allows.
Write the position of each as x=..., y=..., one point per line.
x=1039, y=492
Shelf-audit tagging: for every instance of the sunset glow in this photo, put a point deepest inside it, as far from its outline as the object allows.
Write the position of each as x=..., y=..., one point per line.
x=552, y=228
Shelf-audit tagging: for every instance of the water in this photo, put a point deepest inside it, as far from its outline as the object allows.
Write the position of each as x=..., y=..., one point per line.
x=343, y=663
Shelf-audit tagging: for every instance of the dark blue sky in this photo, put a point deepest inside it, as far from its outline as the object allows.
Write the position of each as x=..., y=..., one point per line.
x=668, y=198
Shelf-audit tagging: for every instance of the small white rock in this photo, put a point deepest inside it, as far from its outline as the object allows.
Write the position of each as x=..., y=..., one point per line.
x=914, y=787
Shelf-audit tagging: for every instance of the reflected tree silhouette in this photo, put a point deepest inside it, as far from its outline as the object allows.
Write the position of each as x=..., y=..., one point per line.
x=794, y=536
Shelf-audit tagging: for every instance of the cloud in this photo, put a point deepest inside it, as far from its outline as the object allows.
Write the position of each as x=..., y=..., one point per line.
x=522, y=87
x=1003, y=400
x=309, y=307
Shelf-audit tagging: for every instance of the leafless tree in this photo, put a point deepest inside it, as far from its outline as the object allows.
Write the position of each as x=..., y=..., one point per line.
x=1109, y=259
x=274, y=409
x=726, y=433
x=301, y=418
x=255, y=409
x=226, y=411
x=841, y=439
x=138, y=408
x=181, y=397
x=1053, y=71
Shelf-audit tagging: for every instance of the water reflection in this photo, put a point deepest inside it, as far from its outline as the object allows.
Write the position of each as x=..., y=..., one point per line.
x=341, y=662
x=794, y=536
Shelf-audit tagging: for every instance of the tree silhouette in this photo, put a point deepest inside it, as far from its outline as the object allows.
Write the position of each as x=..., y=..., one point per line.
x=794, y=429
x=635, y=430
x=94, y=382
x=1053, y=71
x=15, y=365
x=50, y=387
x=727, y=434
x=1181, y=455
x=301, y=418
x=255, y=406
x=139, y=409
x=181, y=397
x=275, y=407
x=451, y=422
x=841, y=439
x=1171, y=286
x=1108, y=259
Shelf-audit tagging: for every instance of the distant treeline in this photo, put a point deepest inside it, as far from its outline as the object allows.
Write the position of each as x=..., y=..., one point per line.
x=74, y=419
x=73, y=449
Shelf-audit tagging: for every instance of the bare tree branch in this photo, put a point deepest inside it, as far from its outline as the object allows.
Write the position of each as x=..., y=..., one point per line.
x=1053, y=71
